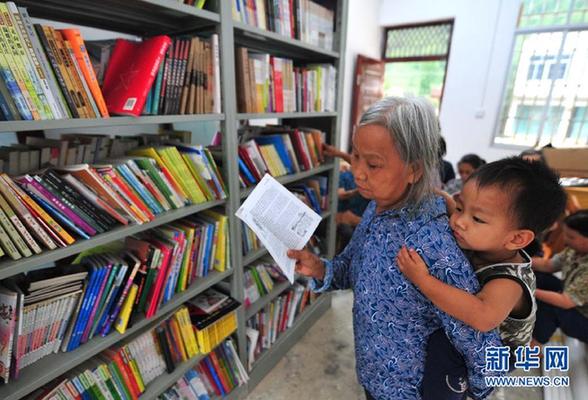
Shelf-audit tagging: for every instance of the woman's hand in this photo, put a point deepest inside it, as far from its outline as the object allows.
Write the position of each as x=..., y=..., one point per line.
x=308, y=264
x=332, y=151
x=412, y=265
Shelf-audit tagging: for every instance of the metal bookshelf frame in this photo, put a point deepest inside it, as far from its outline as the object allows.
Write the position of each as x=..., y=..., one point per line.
x=146, y=18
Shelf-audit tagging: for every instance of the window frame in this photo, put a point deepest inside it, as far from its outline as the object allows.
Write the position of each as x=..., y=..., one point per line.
x=564, y=30
x=386, y=60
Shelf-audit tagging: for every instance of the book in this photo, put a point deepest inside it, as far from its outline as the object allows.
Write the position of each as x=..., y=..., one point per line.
x=131, y=72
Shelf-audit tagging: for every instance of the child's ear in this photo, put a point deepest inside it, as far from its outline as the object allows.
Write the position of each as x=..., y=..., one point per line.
x=415, y=172
x=519, y=239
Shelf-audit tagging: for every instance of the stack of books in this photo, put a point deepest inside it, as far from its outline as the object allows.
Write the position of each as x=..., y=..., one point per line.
x=299, y=19
x=249, y=240
x=279, y=151
x=48, y=73
x=39, y=308
x=275, y=318
x=216, y=375
x=259, y=281
x=109, y=290
x=266, y=83
x=188, y=81
x=214, y=318
x=54, y=207
x=125, y=371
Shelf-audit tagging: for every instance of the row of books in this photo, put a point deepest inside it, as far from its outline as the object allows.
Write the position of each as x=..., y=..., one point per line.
x=288, y=151
x=299, y=19
x=35, y=151
x=56, y=205
x=188, y=80
x=45, y=73
x=264, y=327
x=266, y=83
x=125, y=371
x=249, y=240
x=259, y=281
x=59, y=309
x=48, y=74
x=216, y=375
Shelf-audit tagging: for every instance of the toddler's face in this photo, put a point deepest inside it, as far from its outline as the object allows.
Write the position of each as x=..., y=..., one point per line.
x=379, y=172
x=481, y=221
x=576, y=240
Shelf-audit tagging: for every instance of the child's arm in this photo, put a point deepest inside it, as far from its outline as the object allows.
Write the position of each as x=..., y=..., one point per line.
x=483, y=311
x=560, y=300
x=347, y=194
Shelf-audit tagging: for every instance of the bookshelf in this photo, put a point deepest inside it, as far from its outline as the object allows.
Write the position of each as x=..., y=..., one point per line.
x=147, y=18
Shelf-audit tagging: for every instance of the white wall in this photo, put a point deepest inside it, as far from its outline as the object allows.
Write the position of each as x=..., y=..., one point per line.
x=476, y=69
x=364, y=36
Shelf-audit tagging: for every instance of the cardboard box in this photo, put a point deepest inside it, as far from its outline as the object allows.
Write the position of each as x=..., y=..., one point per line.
x=568, y=162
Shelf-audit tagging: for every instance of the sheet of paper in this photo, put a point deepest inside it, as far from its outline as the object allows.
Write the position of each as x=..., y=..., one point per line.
x=280, y=220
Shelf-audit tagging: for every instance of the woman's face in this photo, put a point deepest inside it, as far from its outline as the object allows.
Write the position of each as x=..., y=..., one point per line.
x=380, y=174
x=465, y=170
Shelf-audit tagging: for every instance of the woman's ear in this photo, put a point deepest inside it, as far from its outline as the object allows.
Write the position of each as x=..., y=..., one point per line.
x=415, y=172
x=519, y=239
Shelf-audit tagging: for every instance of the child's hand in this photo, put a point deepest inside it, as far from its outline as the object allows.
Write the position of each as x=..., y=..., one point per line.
x=411, y=265
x=308, y=264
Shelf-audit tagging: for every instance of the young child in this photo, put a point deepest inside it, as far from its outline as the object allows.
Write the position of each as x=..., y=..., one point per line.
x=501, y=208
x=465, y=167
x=564, y=303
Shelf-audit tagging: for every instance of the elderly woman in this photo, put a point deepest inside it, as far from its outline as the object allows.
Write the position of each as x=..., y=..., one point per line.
x=395, y=164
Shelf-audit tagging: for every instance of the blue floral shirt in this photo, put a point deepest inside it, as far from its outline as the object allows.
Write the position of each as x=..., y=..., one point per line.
x=392, y=320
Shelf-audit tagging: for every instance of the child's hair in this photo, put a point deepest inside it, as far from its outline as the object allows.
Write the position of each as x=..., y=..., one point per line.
x=473, y=159
x=537, y=199
x=578, y=221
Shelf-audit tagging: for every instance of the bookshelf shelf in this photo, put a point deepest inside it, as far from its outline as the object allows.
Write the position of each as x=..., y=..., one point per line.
x=17, y=126
x=265, y=300
x=138, y=17
x=13, y=267
x=257, y=38
x=289, y=115
x=52, y=366
x=287, y=339
x=286, y=179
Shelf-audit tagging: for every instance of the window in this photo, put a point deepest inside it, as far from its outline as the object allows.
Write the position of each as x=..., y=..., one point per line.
x=546, y=93
x=416, y=59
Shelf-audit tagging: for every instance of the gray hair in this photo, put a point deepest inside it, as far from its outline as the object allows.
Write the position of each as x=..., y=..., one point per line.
x=415, y=129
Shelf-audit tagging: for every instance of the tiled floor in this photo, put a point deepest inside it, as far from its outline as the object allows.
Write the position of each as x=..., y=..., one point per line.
x=322, y=365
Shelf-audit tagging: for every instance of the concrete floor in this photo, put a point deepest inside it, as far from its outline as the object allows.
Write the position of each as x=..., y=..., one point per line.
x=322, y=365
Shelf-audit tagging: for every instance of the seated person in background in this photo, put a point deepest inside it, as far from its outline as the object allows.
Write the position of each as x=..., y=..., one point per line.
x=564, y=303
x=501, y=208
x=465, y=167
x=446, y=172
x=351, y=203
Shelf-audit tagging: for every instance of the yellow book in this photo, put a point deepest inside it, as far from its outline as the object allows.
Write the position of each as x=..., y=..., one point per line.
x=187, y=329
x=268, y=161
x=125, y=312
x=194, y=170
x=187, y=258
x=194, y=184
x=273, y=153
x=178, y=168
x=152, y=153
x=135, y=371
x=220, y=256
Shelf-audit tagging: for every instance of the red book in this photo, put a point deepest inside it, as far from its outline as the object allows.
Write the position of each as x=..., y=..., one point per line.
x=130, y=73
x=247, y=160
x=160, y=280
x=220, y=371
x=277, y=65
x=127, y=375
